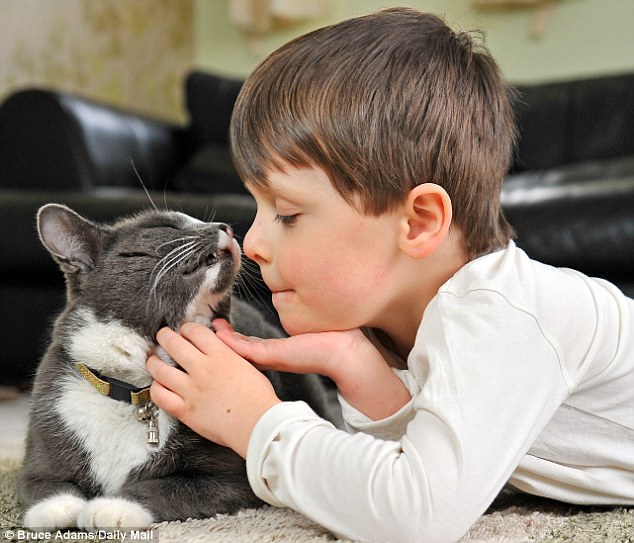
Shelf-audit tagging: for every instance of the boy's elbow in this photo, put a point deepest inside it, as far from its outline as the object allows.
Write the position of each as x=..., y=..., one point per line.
x=417, y=530
x=415, y=524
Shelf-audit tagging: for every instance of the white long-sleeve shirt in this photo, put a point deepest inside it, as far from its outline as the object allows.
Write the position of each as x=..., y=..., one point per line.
x=520, y=372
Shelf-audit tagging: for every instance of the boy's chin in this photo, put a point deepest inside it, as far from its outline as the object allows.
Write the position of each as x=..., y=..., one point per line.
x=295, y=327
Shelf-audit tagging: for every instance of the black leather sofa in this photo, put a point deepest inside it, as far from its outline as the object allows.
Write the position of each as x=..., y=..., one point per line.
x=570, y=194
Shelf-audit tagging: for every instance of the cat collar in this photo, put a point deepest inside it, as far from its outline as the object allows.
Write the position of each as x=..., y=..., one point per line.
x=113, y=388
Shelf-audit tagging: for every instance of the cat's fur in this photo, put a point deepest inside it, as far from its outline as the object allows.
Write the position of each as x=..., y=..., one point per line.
x=87, y=462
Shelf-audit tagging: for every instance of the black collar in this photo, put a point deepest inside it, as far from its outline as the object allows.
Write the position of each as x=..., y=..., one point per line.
x=113, y=388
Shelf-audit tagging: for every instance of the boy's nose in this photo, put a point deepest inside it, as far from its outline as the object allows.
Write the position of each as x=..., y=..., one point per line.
x=253, y=245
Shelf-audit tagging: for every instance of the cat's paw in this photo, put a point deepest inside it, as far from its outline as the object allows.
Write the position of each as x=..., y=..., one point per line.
x=58, y=511
x=109, y=513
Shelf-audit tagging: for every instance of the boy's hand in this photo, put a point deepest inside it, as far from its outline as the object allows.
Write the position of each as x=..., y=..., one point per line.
x=219, y=395
x=360, y=372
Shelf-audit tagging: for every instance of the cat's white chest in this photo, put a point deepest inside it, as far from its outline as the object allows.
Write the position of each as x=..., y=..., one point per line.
x=115, y=440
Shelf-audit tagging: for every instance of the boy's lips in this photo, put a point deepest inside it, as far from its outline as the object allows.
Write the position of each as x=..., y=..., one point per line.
x=281, y=290
x=280, y=295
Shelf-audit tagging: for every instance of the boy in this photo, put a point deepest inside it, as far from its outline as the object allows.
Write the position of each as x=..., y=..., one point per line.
x=376, y=150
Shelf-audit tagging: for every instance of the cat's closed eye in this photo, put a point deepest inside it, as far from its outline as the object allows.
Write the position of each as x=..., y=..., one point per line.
x=133, y=254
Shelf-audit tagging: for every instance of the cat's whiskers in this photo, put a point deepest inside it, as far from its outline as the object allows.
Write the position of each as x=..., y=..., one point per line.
x=152, y=295
x=249, y=282
x=177, y=240
x=169, y=261
x=212, y=215
x=147, y=192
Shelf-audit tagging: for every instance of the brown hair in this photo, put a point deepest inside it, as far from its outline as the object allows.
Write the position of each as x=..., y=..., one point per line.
x=383, y=103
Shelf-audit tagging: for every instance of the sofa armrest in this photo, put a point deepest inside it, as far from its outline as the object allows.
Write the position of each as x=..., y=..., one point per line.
x=57, y=141
x=22, y=254
x=578, y=216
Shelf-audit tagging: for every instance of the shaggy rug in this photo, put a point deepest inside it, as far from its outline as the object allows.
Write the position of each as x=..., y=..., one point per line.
x=513, y=518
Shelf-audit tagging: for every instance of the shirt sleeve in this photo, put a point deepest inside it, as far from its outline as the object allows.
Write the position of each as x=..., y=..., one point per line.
x=485, y=394
x=391, y=428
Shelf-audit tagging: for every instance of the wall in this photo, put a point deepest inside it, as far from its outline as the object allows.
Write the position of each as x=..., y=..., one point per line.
x=135, y=53
x=132, y=53
x=581, y=38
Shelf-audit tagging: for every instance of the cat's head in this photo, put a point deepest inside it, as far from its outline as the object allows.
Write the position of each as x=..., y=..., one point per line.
x=153, y=269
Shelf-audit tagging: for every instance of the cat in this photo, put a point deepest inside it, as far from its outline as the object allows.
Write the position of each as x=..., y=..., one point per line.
x=96, y=461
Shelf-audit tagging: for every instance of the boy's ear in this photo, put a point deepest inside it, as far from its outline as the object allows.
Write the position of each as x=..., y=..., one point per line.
x=427, y=215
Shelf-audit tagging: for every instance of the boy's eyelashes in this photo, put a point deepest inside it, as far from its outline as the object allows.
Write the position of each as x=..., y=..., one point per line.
x=286, y=220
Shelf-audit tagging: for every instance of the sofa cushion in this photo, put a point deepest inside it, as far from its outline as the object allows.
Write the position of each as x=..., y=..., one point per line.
x=575, y=121
x=577, y=216
x=209, y=171
x=602, y=118
x=541, y=116
x=210, y=101
x=54, y=140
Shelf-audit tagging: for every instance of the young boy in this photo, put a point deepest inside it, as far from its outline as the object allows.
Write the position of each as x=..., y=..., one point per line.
x=376, y=150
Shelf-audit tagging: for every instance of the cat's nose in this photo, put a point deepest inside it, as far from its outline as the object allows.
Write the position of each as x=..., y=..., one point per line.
x=226, y=229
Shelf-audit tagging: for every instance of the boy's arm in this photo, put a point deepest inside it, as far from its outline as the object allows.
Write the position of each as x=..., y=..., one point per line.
x=391, y=428
x=485, y=385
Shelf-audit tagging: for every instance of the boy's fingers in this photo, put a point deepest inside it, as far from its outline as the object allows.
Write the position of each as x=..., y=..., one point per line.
x=167, y=400
x=221, y=324
x=168, y=376
x=200, y=337
x=285, y=354
x=250, y=348
x=178, y=347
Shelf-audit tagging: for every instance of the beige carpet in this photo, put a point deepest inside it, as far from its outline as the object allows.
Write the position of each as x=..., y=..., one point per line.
x=513, y=518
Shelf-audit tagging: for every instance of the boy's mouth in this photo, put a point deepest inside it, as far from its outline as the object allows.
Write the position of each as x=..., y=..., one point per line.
x=281, y=296
x=280, y=290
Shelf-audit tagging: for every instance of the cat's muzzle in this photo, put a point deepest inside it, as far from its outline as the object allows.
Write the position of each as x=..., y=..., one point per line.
x=209, y=259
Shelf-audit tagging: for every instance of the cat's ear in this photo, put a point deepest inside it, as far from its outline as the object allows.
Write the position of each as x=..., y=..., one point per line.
x=72, y=240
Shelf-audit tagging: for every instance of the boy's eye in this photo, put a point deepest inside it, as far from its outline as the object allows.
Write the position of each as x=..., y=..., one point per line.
x=286, y=220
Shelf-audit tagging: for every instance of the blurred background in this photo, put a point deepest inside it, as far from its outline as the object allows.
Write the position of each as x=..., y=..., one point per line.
x=136, y=53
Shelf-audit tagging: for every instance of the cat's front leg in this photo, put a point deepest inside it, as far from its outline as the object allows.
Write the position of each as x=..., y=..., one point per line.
x=70, y=511
x=52, y=504
x=57, y=511
x=178, y=497
x=111, y=512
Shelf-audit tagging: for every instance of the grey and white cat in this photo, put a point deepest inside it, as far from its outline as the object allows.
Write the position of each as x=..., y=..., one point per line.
x=96, y=461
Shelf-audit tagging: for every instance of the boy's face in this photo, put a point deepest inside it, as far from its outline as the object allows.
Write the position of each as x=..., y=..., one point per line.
x=329, y=266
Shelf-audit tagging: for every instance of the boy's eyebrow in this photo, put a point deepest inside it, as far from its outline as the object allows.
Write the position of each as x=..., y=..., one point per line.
x=273, y=190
